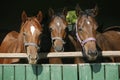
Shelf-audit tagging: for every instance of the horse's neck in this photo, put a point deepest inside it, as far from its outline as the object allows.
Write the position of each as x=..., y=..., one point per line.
x=12, y=43
x=75, y=43
x=20, y=42
x=102, y=41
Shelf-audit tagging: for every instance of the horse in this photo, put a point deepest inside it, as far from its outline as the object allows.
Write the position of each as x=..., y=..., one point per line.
x=109, y=41
x=92, y=41
x=58, y=28
x=25, y=41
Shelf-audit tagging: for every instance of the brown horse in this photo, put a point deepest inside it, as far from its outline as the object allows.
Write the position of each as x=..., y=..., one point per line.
x=27, y=40
x=86, y=32
x=57, y=26
x=90, y=39
x=109, y=40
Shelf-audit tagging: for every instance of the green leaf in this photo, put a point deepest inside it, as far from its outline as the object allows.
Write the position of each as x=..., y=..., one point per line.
x=71, y=17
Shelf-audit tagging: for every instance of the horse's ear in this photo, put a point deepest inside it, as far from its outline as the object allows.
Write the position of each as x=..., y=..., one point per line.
x=95, y=10
x=65, y=11
x=78, y=10
x=39, y=16
x=50, y=12
x=24, y=16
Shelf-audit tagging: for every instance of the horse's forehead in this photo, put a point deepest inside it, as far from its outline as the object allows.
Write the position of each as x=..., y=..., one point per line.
x=32, y=26
x=59, y=22
x=34, y=23
x=32, y=29
x=86, y=20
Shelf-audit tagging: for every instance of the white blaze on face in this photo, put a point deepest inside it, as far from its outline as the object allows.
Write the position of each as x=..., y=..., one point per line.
x=59, y=28
x=32, y=29
x=58, y=24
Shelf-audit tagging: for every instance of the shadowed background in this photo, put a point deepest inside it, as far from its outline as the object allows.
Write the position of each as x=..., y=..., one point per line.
x=10, y=11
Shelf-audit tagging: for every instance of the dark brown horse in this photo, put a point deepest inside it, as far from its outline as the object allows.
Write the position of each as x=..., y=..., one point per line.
x=57, y=26
x=86, y=32
x=90, y=38
x=26, y=41
x=109, y=40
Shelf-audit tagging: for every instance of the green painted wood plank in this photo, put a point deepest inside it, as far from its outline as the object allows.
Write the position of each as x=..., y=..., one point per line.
x=111, y=72
x=98, y=71
x=43, y=72
x=106, y=71
x=8, y=72
x=31, y=72
x=56, y=72
x=70, y=72
x=1, y=72
x=85, y=72
x=19, y=72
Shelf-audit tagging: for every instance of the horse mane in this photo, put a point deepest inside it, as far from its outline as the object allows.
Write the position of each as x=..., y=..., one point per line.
x=87, y=12
x=114, y=28
x=59, y=15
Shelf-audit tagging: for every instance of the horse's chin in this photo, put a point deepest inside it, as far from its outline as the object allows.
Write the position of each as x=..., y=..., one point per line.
x=59, y=50
x=91, y=58
x=32, y=61
x=88, y=57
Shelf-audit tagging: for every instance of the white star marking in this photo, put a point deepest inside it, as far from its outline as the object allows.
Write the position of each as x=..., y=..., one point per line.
x=58, y=23
x=88, y=22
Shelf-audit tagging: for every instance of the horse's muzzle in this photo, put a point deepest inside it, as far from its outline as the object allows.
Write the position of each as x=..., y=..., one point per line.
x=32, y=60
x=92, y=55
x=59, y=48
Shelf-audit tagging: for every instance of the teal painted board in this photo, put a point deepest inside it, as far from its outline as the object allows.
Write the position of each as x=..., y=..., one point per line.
x=1, y=73
x=43, y=72
x=20, y=72
x=8, y=72
x=98, y=71
x=31, y=73
x=85, y=72
x=70, y=72
x=56, y=72
x=111, y=72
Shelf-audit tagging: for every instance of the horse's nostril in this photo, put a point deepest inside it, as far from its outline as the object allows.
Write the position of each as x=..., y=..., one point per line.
x=96, y=52
x=59, y=48
x=92, y=53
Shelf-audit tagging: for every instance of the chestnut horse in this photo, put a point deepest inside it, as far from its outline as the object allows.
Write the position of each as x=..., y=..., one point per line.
x=58, y=30
x=90, y=39
x=26, y=41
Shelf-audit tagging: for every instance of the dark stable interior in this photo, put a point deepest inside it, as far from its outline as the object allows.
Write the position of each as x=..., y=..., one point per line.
x=10, y=14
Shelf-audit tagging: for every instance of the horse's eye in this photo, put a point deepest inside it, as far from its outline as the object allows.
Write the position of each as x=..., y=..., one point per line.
x=66, y=30
x=79, y=29
x=24, y=33
x=50, y=29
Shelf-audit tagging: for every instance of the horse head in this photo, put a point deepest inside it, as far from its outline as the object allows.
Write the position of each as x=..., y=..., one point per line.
x=86, y=26
x=58, y=27
x=31, y=29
